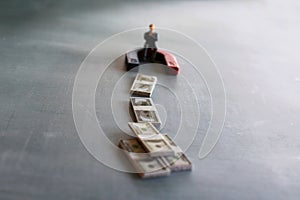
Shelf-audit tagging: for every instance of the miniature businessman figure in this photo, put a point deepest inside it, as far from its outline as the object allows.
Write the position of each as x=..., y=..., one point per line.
x=151, y=37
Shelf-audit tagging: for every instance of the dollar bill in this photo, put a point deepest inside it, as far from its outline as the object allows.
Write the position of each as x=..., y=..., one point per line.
x=152, y=167
x=173, y=145
x=179, y=161
x=145, y=110
x=143, y=85
x=144, y=130
x=146, y=78
x=135, y=101
x=145, y=165
x=157, y=147
x=153, y=142
x=132, y=145
x=146, y=116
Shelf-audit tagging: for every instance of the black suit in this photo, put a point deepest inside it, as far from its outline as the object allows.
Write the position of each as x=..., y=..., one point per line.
x=150, y=43
x=150, y=39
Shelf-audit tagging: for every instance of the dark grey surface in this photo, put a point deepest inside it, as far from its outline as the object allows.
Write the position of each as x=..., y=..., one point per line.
x=255, y=45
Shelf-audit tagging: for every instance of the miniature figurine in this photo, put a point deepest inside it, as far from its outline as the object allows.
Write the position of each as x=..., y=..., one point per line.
x=150, y=53
x=151, y=37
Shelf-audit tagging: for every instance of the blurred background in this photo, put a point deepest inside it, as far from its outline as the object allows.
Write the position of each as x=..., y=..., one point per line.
x=254, y=43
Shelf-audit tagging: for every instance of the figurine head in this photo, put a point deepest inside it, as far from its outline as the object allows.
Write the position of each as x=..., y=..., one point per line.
x=151, y=27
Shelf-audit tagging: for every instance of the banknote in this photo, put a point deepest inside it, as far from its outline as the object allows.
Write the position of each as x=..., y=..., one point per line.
x=132, y=145
x=173, y=145
x=151, y=166
x=143, y=85
x=146, y=78
x=157, y=147
x=153, y=142
x=179, y=161
x=145, y=165
x=145, y=111
x=135, y=101
x=146, y=116
x=144, y=130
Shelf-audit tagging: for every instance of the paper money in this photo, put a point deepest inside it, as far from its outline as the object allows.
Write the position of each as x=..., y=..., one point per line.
x=145, y=110
x=144, y=130
x=153, y=142
x=146, y=116
x=143, y=85
x=157, y=147
x=135, y=101
x=147, y=78
x=174, y=146
x=142, y=88
x=178, y=162
x=145, y=165
x=132, y=145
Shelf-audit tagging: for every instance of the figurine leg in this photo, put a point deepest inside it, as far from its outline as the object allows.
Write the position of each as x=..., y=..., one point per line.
x=145, y=53
x=154, y=54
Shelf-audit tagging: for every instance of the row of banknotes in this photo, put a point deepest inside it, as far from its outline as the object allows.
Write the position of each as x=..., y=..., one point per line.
x=153, y=154
x=145, y=111
x=143, y=85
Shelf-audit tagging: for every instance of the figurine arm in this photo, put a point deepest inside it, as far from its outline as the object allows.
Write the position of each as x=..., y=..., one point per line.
x=146, y=36
x=155, y=36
